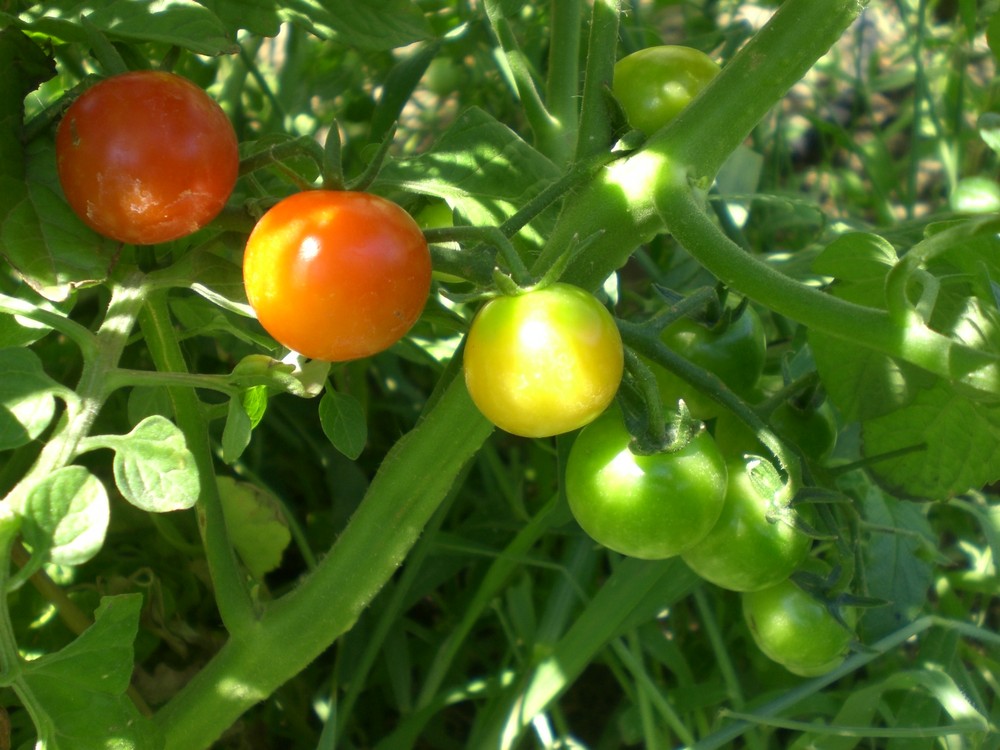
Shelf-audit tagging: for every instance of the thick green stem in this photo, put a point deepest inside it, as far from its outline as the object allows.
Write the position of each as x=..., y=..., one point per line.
x=562, y=86
x=231, y=594
x=595, y=125
x=413, y=480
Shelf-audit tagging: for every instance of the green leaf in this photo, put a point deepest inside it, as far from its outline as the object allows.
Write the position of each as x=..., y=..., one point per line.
x=897, y=568
x=301, y=379
x=27, y=404
x=66, y=516
x=41, y=237
x=258, y=16
x=989, y=122
x=26, y=66
x=343, y=422
x=78, y=693
x=256, y=525
x=153, y=468
x=481, y=168
x=173, y=22
x=993, y=37
x=372, y=25
x=856, y=256
x=236, y=433
x=960, y=439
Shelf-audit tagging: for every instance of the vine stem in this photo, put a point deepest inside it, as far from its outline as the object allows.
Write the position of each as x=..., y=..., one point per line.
x=413, y=480
x=231, y=592
x=103, y=354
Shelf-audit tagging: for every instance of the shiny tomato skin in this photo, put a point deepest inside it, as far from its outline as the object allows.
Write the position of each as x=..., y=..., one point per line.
x=337, y=275
x=795, y=629
x=543, y=362
x=754, y=544
x=146, y=157
x=651, y=507
x=654, y=84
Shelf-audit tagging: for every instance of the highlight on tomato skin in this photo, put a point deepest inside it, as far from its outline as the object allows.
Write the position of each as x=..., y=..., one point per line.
x=337, y=275
x=146, y=157
x=544, y=362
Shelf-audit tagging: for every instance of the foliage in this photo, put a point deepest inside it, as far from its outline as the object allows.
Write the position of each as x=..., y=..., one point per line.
x=210, y=541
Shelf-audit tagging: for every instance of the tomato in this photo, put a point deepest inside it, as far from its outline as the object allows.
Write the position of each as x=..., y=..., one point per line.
x=543, y=362
x=337, y=275
x=732, y=350
x=812, y=429
x=754, y=544
x=146, y=157
x=795, y=629
x=651, y=507
x=654, y=84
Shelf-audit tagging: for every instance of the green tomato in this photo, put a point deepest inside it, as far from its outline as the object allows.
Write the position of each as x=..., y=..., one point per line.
x=812, y=430
x=754, y=544
x=654, y=84
x=543, y=362
x=734, y=352
x=650, y=507
x=795, y=629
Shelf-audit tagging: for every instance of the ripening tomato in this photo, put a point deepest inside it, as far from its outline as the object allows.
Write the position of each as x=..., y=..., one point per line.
x=543, y=362
x=337, y=275
x=654, y=84
x=651, y=507
x=146, y=157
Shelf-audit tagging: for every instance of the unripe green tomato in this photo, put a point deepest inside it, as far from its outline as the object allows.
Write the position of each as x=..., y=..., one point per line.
x=735, y=353
x=654, y=84
x=754, y=544
x=651, y=507
x=795, y=629
x=812, y=430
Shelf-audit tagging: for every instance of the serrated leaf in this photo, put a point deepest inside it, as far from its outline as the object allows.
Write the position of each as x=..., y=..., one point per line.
x=856, y=256
x=27, y=404
x=153, y=468
x=895, y=568
x=260, y=17
x=256, y=525
x=373, y=25
x=960, y=439
x=343, y=422
x=481, y=168
x=78, y=693
x=66, y=516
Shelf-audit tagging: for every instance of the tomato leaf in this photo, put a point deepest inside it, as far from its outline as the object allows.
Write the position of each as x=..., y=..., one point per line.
x=343, y=422
x=66, y=516
x=78, y=694
x=481, y=168
x=27, y=404
x=256, y=525
x=236, y=434
x=153, y=468
x=373, y=25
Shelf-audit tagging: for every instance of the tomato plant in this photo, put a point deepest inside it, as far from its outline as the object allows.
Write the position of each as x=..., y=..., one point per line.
x=337, y=275
x=654, y=84
x=651, y=507
x=795, y=629
x=543, y=362
x=146, y=157
x=754, y=544
x=733, y=349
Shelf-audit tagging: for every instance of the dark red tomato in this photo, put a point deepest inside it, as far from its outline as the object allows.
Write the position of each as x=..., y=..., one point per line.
x=146, y=157
x=337, y=275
